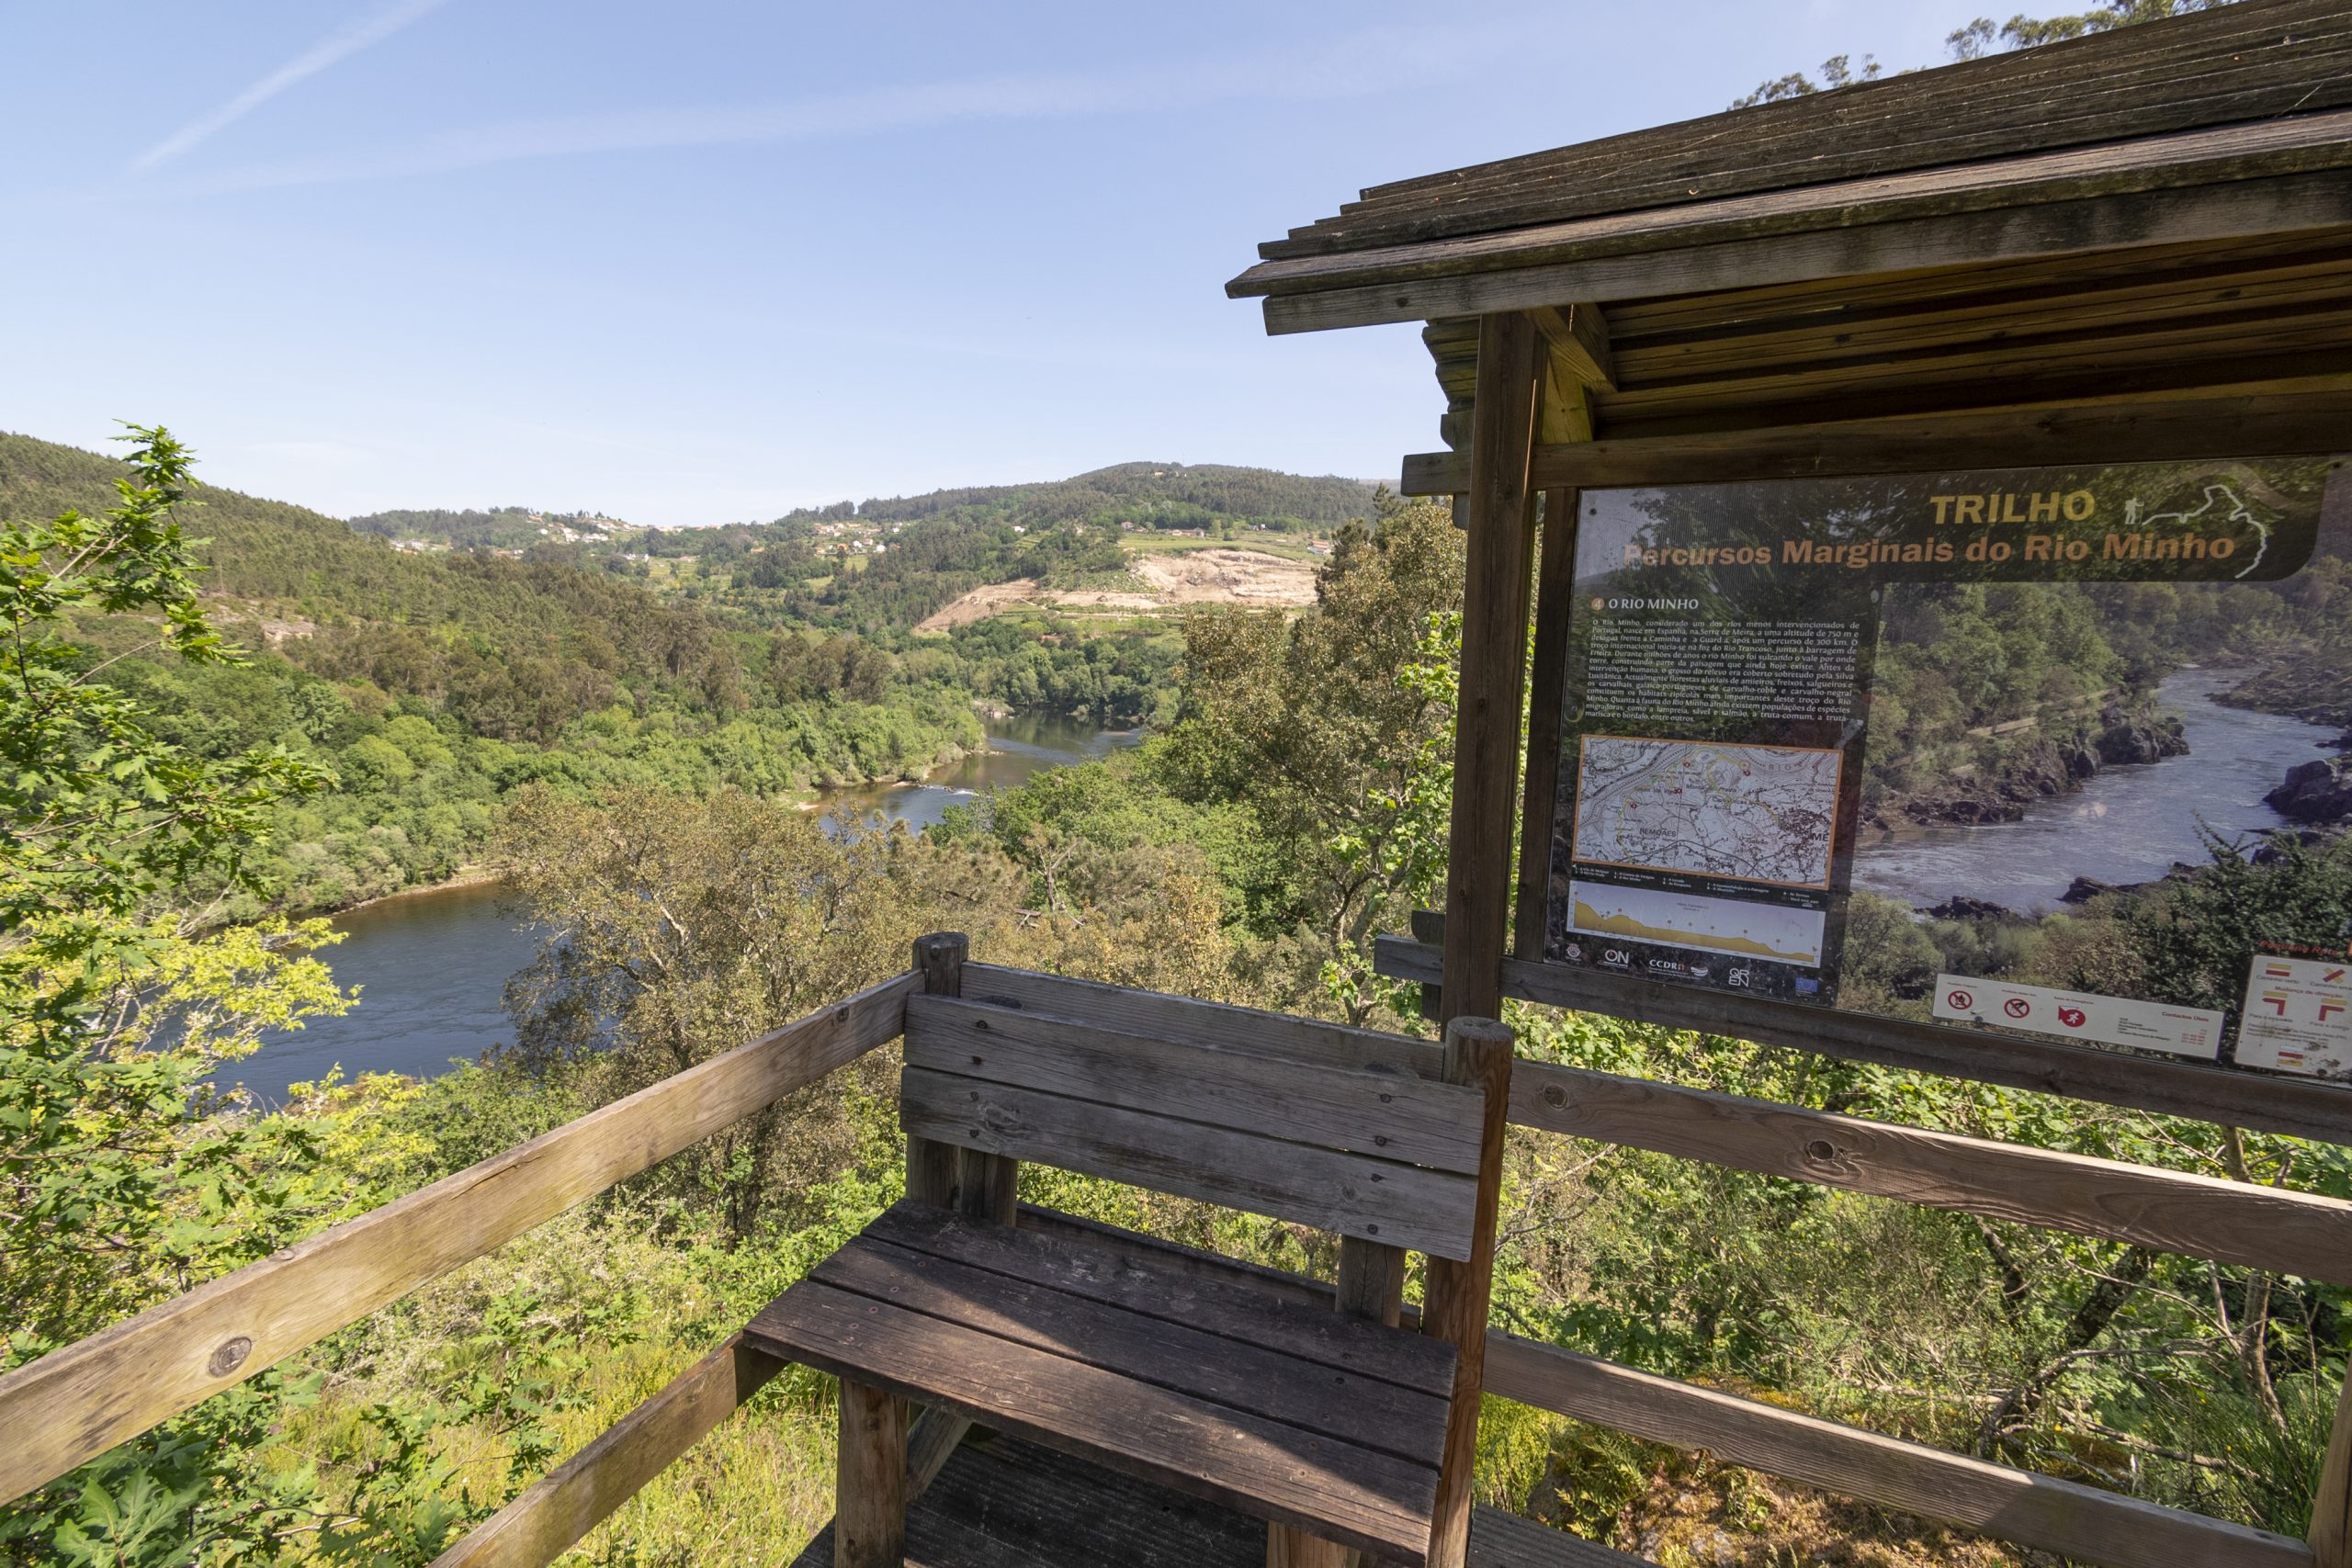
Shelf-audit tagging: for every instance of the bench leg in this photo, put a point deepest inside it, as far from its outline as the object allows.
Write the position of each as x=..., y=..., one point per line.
x=870, y=1488
x=1290, y=1547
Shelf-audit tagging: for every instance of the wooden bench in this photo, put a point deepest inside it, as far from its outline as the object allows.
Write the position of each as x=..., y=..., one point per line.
x=1333, y=1427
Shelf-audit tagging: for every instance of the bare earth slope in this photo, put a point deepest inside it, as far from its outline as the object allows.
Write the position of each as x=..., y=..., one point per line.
x=1189, y=577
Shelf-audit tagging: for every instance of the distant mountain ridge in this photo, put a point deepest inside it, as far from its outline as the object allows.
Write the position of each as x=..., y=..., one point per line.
x=1214, y=491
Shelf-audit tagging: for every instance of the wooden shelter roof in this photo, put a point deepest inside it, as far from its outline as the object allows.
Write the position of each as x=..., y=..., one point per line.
x=2216, y=125
x=2229, y=66
x=2153, y=212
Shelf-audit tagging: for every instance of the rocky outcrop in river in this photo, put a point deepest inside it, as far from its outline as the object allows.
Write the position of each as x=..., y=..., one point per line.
x=2315, y=792
x=2142, y=738
x=2036, y=770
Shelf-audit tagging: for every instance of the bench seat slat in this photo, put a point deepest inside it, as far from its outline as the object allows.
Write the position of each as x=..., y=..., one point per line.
x=1390, y=1115
x=1401, y=1205
x=1140, y=1274
x=1225, y=1372
x=1354, y=1495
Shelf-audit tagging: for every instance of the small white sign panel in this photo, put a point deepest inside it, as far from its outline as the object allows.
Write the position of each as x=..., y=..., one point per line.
x=2080, y=1015
x=2297, y=1016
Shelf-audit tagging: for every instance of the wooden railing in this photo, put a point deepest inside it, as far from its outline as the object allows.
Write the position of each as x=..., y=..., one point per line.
x=76, y=1402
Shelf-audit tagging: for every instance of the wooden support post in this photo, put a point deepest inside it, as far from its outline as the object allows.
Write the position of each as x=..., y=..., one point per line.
x=1288, y=1547
x=1554, y=586
x=1498, y=514
x=2331, y=1532
x=1372, y=1281
x=1478, y=1053
x=870, y=1489
x=1371, y=1286
x=934, y=1171
x=1499, y=517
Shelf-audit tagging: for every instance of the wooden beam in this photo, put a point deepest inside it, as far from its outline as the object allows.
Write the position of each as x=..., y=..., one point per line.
x=1556, y=580
x=1500, y=519
x=2313, y=420
x=1479, y=1053
x=1577, y=338
x=2201, y=1216
x=577, y=1495
x=2077, y=1521
x=75, y=1403
x=2222, y=211
x=870, y=1479
x=2302, y=1108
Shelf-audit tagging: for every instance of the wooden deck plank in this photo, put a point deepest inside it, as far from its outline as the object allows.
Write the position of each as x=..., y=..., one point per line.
x=1361, y=1498
x=1379, y=1115
x=1010, y=1504
x=1402, y=1206
x=1141, y=1274
x=1222, y=1367
x=1505, y=1540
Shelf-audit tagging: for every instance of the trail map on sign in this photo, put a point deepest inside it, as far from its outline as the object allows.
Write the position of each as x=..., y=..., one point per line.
x=1758, y=813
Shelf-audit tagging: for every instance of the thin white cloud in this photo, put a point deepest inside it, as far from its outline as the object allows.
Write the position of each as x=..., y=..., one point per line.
x=365, y=33
x=1376, y=61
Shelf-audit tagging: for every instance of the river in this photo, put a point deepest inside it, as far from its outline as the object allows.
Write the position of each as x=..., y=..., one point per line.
x=432, y=966
x=2127, y=824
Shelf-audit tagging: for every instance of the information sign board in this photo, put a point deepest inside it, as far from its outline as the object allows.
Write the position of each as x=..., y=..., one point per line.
x=1857, y=742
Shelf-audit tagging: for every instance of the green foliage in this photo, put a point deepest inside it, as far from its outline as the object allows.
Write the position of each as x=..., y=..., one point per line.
x=1980, y=38
x=1332, y=728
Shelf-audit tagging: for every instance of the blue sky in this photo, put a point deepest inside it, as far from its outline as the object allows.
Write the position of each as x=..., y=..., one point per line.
x=696, y=261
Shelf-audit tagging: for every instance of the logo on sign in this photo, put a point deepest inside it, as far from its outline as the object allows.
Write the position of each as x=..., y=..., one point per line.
x=2017, y=1006
x=1960, y=1001
x=2073, y=1018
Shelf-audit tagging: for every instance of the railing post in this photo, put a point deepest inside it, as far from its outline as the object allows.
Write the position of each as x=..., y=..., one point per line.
x=2331, y=1532
x=1478, y=1053
x=935, y=1171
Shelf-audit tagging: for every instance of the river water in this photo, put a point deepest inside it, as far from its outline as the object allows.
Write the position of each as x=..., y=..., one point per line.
x=433, y=967
x=2127, y=824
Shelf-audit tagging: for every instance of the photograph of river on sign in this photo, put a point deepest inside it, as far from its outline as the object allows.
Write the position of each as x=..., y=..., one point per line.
x=1709, y=808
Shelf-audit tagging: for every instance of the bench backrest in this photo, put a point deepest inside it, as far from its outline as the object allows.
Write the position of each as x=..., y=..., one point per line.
x=1385, y=1156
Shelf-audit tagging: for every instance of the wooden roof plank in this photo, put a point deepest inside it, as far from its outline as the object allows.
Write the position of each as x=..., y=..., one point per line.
x=2010, y=317
x=1815, y=297
x=2188, y=160
x=1699, y=262
x=2222, y=32
x=2249, y=62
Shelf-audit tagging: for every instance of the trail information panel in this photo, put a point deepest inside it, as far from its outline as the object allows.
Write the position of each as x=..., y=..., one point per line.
x=1822, y=739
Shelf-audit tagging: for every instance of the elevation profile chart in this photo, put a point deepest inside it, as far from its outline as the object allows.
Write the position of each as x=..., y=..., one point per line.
x=1734, y=927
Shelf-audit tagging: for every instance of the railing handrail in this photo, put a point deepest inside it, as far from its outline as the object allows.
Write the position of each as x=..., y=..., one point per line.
x=78, y=1402
x=75, y=1403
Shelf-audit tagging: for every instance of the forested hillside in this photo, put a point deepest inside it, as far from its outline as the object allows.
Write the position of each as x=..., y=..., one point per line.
x=775, y=658
x=434, y=686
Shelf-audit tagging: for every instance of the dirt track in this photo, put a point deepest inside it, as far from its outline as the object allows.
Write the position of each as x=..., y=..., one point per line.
x=1188, y=577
